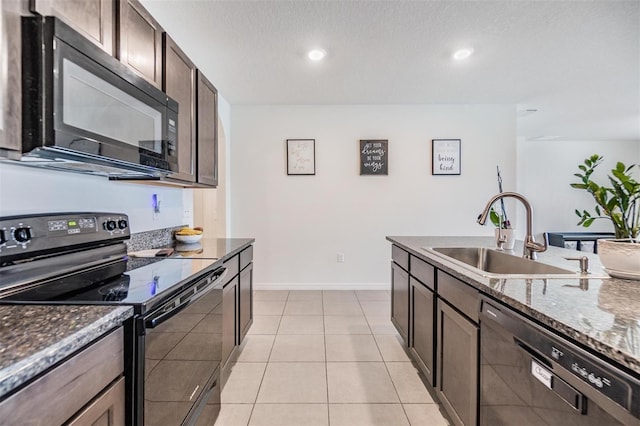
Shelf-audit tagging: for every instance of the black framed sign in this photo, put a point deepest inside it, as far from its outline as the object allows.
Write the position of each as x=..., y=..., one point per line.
x=374, y=157
x=301, y=156
x=445, y=157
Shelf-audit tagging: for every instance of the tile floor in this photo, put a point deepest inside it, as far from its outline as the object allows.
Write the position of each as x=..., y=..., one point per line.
x=325, y=358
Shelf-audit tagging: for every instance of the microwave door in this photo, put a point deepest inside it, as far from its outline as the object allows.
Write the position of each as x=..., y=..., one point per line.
x=92, y=103
x=84, y=105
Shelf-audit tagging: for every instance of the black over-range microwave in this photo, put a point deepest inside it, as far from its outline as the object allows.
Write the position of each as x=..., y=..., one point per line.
x=84, y=110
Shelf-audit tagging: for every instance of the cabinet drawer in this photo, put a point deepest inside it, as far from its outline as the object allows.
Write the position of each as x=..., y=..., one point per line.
x=423, y=272
x=400, y=256
x=246, y=257
x=63, y=391
x=233, y=267
x=460, y=295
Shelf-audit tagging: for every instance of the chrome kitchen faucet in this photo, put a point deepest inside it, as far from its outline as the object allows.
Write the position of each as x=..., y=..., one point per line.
x=531, y=247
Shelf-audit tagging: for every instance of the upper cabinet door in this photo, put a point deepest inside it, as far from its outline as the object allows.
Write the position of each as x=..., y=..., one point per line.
x=140, y=41
x=180, y=84
x=207, y=132
x=95, y=19
x=10, y=80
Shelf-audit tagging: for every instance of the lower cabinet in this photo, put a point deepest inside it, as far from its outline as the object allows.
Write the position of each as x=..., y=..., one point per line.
x=400, y=300
x=437, y=316
x=86, y=389
x=229, y=322
x=246, y=300
x=106, y=410
x=237, y=306
x=422, y=342
x=457, y=378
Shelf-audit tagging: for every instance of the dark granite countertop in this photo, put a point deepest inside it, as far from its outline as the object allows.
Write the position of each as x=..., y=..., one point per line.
x=213, y=248
x=35, y=337
x=596, y=311
x=207, y=248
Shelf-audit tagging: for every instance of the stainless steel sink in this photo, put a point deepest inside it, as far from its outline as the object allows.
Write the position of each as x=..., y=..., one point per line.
x=492, y=263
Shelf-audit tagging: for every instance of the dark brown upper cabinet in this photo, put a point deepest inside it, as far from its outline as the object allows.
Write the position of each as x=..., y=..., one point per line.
x=180, y=84
x=95, y=19
x=140, y=41
x=10, y=80
x=207, y=131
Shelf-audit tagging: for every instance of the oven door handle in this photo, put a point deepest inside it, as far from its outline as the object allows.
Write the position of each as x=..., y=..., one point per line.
x=171, y=310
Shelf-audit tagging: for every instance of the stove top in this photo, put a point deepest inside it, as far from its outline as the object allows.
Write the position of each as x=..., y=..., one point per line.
x=86, y=266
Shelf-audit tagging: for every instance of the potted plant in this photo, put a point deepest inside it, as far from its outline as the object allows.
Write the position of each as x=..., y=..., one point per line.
x=619, y=203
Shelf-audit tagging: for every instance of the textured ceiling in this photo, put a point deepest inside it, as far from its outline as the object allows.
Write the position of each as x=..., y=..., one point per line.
x=576, y=62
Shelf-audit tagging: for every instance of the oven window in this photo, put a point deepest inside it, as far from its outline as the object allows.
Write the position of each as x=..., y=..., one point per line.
x=92, y=104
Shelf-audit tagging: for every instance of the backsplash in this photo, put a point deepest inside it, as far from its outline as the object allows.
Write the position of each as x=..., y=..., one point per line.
x=156, y=238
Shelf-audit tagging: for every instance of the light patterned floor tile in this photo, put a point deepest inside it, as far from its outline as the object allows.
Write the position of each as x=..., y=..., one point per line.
x=381, y=324
x=234, y=415
x=342, y=308
x=301, y=324
x=408, y=383
x=367, y=415
x=391, y=348
x=351, y=347
x=346, y=324
x=305, y=295
x=298, y=348
x=424, y=415
x=268, y=307
x=280, y=295
x=256, y=348
x=294, y=382
x=360, y=382
x=289, y=415
x=374, y=295
x=265, y=324
x=303, y=307
x=243, y=383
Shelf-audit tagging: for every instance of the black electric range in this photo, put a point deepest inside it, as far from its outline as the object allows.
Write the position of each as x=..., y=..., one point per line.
x=173, y=346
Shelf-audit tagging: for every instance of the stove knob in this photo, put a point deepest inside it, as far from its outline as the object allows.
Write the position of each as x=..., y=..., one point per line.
x=122, y=224
x=22, y=235
x=110, y=225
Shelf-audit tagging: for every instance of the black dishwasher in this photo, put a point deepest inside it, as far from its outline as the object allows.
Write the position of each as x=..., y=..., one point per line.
x=530, y=376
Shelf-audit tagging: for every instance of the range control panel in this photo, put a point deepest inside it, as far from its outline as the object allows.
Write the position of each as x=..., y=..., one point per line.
x=30, y=235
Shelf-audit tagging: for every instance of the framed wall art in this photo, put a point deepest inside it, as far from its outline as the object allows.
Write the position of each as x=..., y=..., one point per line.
x=301, y=156
x=374, y=157
x=445, y=157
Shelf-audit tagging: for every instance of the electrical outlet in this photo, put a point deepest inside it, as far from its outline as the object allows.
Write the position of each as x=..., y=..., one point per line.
x=340, y=258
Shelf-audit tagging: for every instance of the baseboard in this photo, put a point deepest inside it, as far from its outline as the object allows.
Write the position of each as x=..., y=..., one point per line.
x=321, y=286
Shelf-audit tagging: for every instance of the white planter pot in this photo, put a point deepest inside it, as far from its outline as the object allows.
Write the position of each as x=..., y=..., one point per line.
x=620, y=258
x=509, y=234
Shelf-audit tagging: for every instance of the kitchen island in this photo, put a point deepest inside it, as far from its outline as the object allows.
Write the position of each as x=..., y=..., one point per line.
x=437, y=302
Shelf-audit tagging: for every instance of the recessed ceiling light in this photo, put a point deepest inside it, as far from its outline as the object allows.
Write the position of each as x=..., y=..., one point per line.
x=462, y=53
x=316, y=54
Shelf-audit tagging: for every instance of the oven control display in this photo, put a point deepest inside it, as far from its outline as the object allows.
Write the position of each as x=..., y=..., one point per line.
x=72, y=226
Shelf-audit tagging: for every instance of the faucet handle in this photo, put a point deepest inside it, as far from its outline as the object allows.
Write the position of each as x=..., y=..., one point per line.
x=584, y=263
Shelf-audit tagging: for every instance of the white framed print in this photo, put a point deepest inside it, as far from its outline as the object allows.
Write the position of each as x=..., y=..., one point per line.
x=445, y=156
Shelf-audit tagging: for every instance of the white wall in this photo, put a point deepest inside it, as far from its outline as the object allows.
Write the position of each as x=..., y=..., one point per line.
x=31, y=190
x=301, y=222
x=545, y=172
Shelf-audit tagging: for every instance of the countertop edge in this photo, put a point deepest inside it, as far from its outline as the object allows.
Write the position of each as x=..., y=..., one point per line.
x=28, y=368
